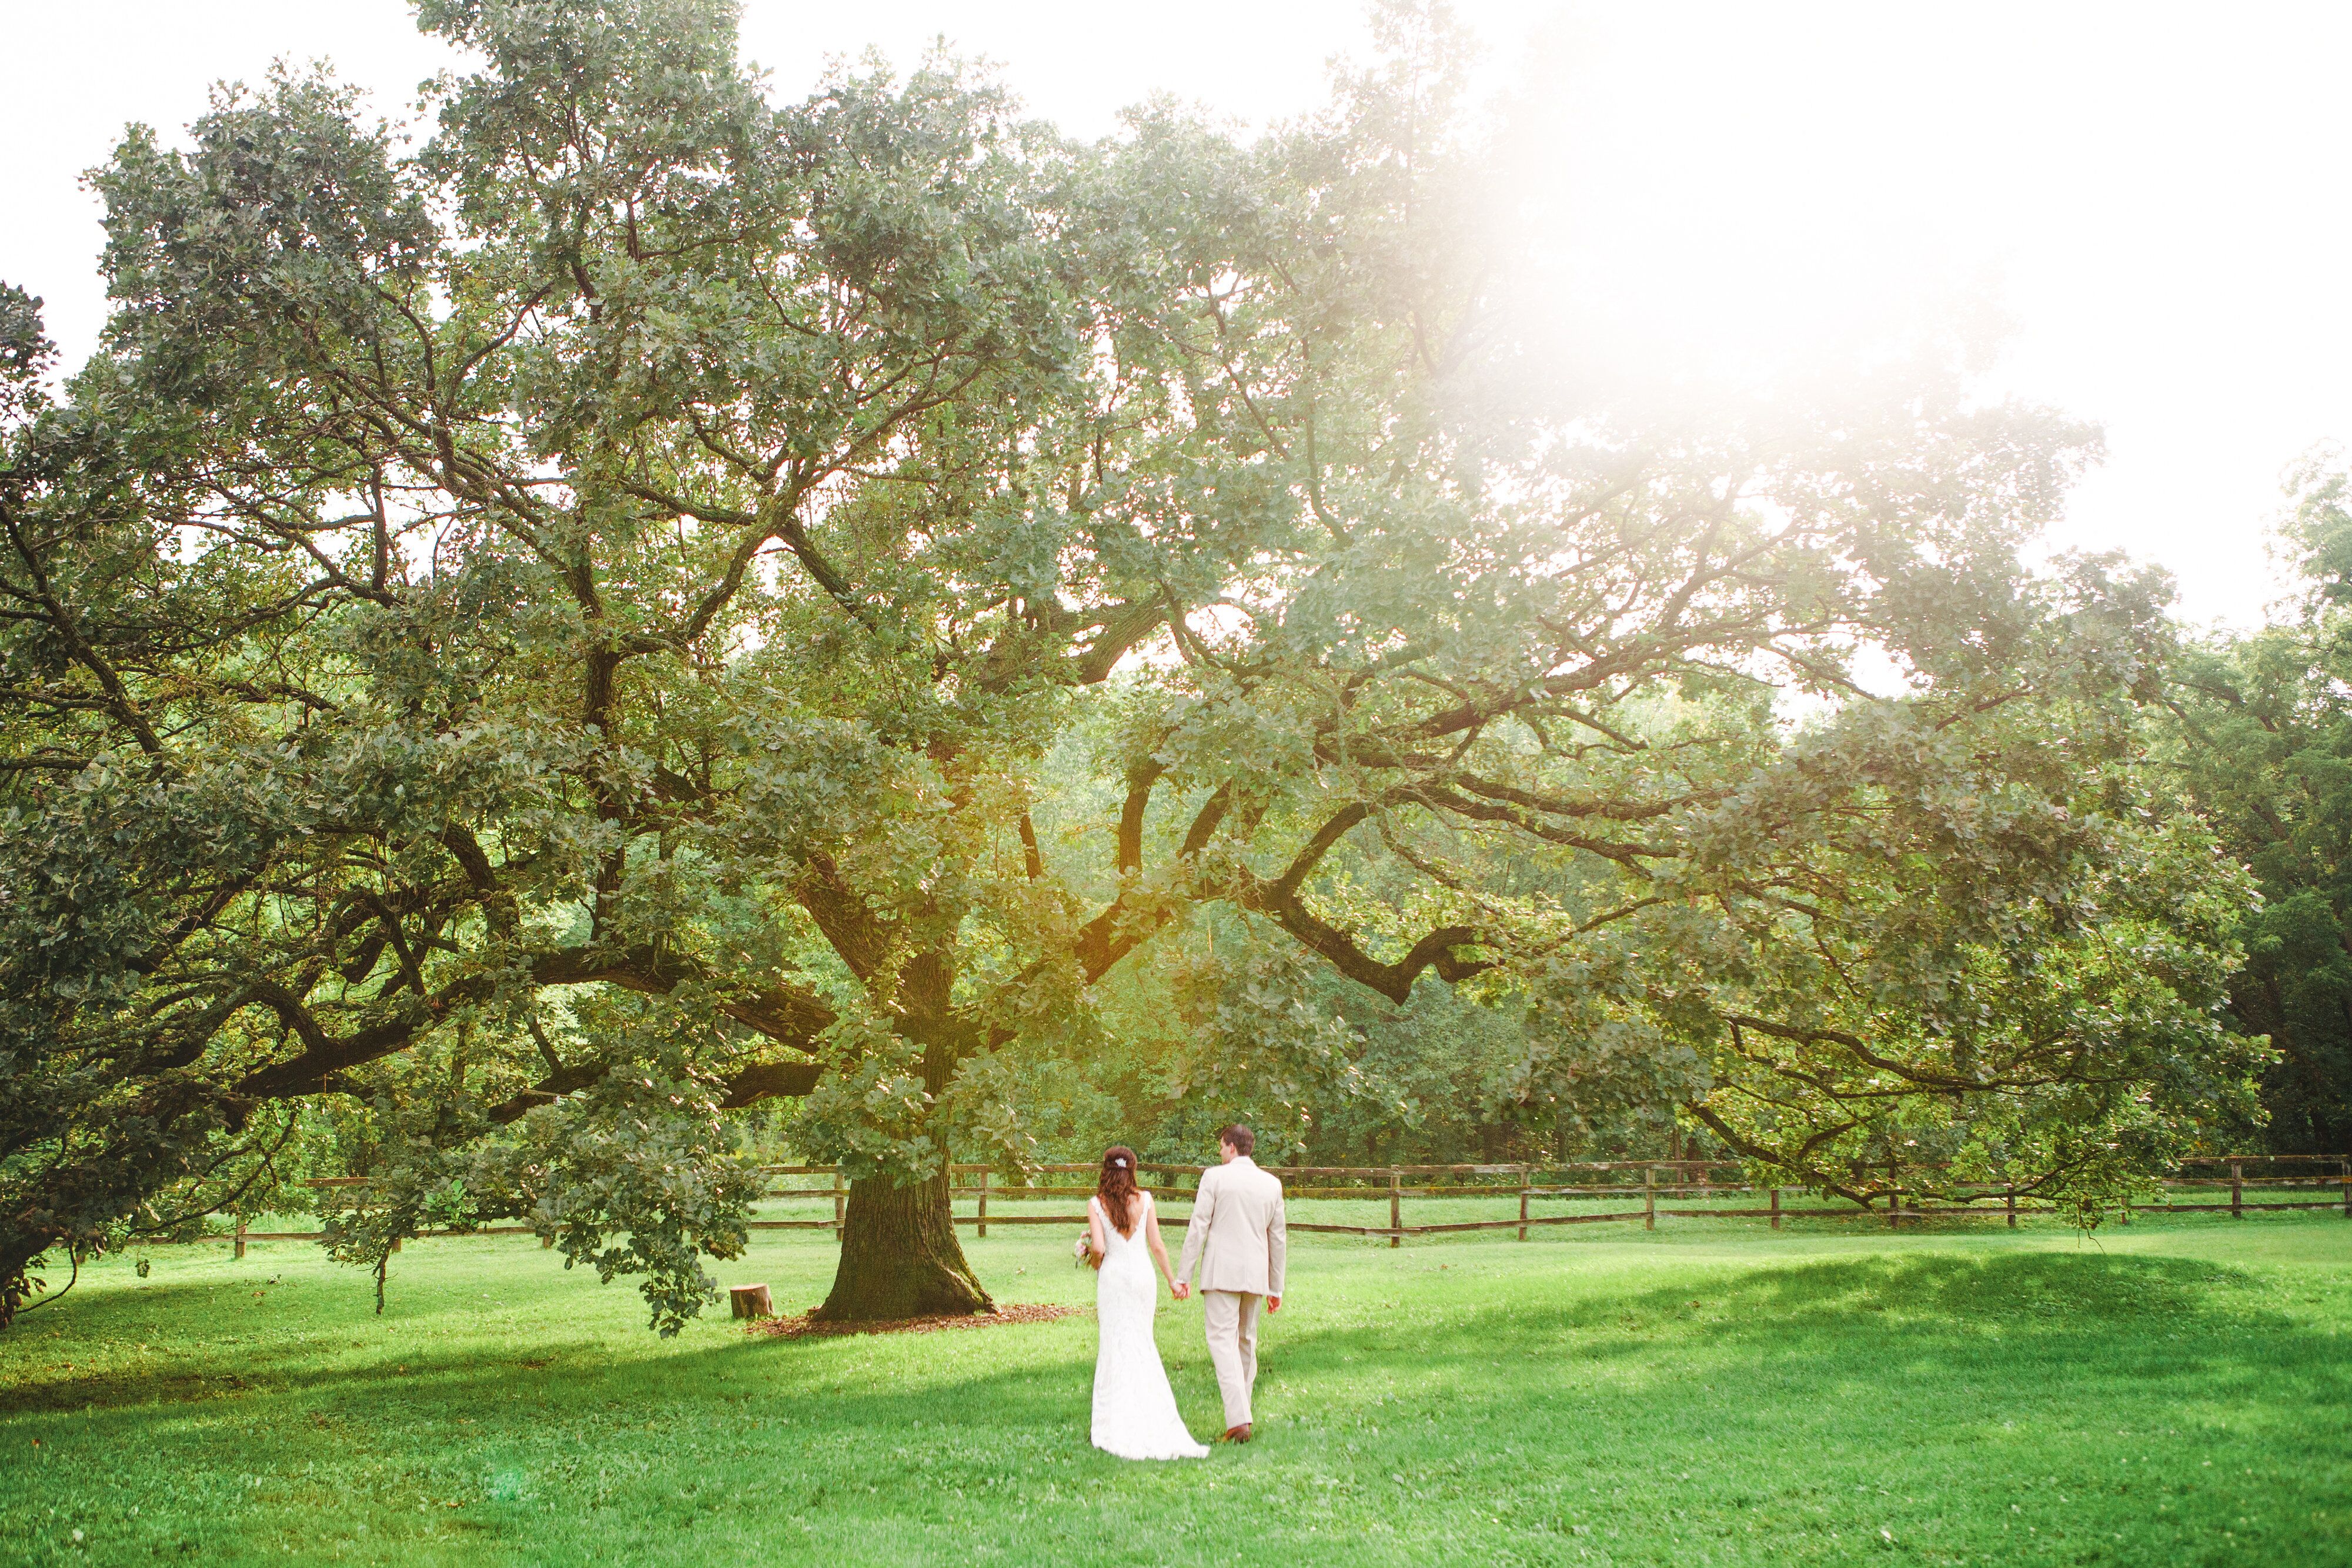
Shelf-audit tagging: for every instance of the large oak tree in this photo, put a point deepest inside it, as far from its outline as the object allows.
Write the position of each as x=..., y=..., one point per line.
x=554, y=635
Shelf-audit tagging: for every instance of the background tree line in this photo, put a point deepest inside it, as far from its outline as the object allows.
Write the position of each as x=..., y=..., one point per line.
x=2257, y=739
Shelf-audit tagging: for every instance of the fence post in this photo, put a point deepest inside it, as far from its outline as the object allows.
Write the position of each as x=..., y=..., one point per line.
x=1776, y=1208
x=240, y=1236
x=1396, y=1209
x=2346, y=1175
x=984, y=1203
x=1894, y=1209
x=2237, y=1189
x=2011, y=1194
x=1649, y=1197
x=1527, y=1180
x=836, y=1203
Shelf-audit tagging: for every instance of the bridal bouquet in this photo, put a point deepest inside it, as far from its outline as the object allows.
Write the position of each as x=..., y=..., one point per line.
x=1082, y=1252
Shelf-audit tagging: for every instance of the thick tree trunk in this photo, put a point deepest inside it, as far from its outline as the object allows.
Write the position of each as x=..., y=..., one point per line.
x=900, y=1256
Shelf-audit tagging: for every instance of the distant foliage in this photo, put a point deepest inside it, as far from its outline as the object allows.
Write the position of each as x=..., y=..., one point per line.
x=2260, y=740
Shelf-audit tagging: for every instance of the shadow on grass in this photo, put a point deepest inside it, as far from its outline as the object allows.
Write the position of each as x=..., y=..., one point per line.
x=2085, y=1292
x=1916, y=1303
x=241, y=1355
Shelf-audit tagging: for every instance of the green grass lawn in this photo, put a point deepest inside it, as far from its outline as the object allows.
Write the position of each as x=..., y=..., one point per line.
x=2177, y=1392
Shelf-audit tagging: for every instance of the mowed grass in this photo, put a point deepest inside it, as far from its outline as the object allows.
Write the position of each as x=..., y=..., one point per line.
x=1715, y=1393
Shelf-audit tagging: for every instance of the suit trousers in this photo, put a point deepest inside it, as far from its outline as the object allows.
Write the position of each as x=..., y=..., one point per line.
x=1231, y=1318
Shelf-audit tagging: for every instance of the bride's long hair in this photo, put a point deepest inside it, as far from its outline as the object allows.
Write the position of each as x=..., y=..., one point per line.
x=1117, y=1188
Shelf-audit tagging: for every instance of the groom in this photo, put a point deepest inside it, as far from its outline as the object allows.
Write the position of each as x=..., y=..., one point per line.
x=1236, y=1237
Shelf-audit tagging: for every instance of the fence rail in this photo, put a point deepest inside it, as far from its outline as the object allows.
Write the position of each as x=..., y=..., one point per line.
x=1649, y=1181
x=1659, y=1179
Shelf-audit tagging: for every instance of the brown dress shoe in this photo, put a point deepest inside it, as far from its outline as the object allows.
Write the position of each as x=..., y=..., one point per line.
x=1240, y=1434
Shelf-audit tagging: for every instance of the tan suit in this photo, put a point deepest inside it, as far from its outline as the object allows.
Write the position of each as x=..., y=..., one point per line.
x=1238, y=1237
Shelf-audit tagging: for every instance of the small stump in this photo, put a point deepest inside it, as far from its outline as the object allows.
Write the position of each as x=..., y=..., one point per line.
x=750, y=1302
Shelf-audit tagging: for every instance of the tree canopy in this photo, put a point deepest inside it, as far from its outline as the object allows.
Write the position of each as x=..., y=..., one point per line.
x=660, y=598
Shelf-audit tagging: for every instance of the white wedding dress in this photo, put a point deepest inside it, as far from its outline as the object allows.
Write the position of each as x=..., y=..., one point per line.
x=1135, y=1410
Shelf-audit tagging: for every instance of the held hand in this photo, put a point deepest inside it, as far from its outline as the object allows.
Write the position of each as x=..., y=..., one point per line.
x=1181, y=1291
x=1273, y=1303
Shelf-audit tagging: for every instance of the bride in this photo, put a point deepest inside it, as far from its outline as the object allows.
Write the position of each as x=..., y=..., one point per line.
x=1135, y=1410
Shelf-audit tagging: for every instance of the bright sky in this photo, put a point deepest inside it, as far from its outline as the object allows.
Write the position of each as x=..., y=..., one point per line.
x=2153, y=195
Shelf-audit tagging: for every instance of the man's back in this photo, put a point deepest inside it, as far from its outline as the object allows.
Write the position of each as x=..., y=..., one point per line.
x=1237, y=1232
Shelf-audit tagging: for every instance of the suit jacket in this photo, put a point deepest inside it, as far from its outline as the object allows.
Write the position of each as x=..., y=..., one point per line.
x=1237, y=1233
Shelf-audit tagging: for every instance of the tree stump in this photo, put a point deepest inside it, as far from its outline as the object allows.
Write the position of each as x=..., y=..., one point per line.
x=750, y=1302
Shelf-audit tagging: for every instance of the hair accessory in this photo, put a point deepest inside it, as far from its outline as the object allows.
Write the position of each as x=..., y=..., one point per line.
x=1121, y=1163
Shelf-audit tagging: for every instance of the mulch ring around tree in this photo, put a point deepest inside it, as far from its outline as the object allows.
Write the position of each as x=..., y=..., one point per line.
x=804, y=1325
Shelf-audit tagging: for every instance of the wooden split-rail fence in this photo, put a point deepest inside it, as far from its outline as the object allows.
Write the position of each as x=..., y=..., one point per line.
x=1641, y=1189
